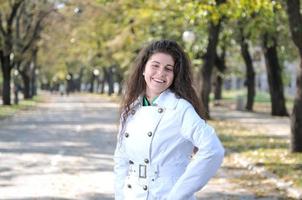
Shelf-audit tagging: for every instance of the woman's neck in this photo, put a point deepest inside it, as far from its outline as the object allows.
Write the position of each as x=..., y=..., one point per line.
x=150, y=97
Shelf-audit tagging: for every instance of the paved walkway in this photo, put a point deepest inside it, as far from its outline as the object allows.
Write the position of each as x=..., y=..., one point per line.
x=63, y=151
x=270, y=125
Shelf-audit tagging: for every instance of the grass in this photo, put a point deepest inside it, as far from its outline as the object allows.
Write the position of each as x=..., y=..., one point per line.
x=6, y=111
x=262, y=100
x=271, y=152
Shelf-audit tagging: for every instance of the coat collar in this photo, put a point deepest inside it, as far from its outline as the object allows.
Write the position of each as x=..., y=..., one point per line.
x=167, y=99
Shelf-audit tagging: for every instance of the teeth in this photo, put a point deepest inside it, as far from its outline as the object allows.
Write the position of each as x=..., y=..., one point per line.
x=158, y=80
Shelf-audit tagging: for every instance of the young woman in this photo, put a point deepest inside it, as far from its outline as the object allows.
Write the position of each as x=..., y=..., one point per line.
x=161, y=122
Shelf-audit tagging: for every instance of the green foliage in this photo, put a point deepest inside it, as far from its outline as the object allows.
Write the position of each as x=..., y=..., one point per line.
x=107, y=32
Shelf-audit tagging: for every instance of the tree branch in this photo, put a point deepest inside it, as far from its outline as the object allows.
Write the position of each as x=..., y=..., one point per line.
x=13, y=13
x=1, y=26
x=36, y=30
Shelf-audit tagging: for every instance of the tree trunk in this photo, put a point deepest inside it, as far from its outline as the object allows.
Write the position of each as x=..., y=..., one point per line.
x=102, y=87
x=220, y=65
x=26, y=86
x=207, y=68
x=296, y=116
x=6, y=48
x=274, y=76
x=33, y=84
x=6, y=74
x=250, y=73
x=295, y=22
x=103, y=80
x=119, y=79
x=33, y=80
x=110, y=81
x=92, y=78
x=218, y=87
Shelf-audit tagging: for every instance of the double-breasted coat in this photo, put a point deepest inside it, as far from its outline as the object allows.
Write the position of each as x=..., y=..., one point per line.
x=153, y=156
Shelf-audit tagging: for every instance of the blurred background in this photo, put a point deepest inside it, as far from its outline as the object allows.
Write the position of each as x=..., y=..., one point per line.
x=246, y=54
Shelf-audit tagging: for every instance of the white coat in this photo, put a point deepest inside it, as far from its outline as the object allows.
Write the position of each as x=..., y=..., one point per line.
x=153, y=158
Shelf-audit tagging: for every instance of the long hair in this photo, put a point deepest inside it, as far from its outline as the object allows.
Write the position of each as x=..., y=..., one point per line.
x=182, y=84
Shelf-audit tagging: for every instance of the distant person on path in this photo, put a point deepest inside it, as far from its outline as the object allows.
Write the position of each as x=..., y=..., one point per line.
x=161, y=122
x=62, y=89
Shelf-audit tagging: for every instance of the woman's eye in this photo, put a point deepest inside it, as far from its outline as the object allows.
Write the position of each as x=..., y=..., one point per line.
x=169, y=69
x=155, y=66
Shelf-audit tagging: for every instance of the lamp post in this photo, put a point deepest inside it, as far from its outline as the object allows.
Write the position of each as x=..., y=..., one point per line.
x=96, y=74
x=69, y=83
x=77, y=10
x=16, y=87
x=188, y=37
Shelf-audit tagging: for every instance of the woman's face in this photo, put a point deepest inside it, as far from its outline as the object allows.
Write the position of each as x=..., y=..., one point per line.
x=158, y=74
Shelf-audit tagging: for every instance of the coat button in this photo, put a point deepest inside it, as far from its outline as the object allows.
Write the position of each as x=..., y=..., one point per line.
x=146, y=161
x=150, y=134
x=132, y=112
x=126, y=134
x=129, y=186
x=131, y=162
x=160, y=110
x=145, y=187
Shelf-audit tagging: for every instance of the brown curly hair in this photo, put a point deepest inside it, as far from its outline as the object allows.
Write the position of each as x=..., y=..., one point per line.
x=182, y=84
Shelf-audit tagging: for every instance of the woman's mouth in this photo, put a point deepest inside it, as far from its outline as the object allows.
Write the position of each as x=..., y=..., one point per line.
x=158, y=80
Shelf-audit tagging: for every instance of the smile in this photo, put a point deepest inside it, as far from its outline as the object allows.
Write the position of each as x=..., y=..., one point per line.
x=158, y=80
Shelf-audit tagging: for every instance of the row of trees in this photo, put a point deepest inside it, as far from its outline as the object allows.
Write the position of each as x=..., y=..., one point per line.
x=86, y=35
x=21, y=24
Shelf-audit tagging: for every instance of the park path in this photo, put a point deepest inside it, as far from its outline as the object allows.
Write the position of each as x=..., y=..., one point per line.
x=62, y=150
x=270, y=125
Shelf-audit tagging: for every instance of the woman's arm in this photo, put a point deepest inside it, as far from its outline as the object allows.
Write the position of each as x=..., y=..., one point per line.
x=120, y=169
x=206, y=161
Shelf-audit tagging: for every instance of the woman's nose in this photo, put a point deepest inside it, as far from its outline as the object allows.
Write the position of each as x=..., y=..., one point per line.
x=161, y=71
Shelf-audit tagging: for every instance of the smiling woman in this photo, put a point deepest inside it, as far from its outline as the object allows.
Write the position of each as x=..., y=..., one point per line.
x=158, y=74
x=161, y=123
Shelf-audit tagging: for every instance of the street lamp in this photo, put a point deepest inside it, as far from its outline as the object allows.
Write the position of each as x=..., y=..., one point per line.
x=68, y=77
x=72, y=40
x=96, y=72
x=11, y=56
x=77, y=10
x=188, y=36
x=16, y=72
x=16, y=86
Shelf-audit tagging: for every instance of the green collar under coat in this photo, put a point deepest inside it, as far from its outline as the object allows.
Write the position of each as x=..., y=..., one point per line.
x=147, y=103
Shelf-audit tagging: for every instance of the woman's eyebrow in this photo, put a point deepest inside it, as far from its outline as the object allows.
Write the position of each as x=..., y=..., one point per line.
x=160, y=63
x=155, y=61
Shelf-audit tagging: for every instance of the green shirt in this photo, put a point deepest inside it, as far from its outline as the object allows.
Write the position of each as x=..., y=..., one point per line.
x=147, y=103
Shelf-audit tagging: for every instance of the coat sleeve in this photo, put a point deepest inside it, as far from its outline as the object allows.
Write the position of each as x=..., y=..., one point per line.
x=206, y=161
x=121, y=163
